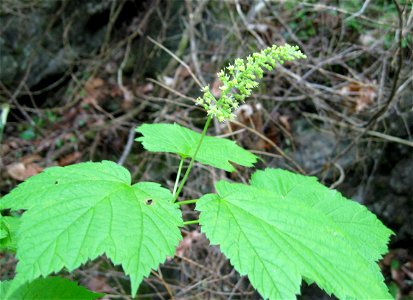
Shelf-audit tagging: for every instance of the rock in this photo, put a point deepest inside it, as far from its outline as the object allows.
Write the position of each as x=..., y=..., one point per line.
x=50, y=50
x=394, y=210
x=401, y=179
x=315, y=148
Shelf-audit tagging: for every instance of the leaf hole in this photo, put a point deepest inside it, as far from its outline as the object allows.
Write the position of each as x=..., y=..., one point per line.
x=56, y=182
x=148, y=201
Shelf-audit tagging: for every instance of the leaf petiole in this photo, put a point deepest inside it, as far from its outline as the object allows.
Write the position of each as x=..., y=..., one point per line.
x=191, y=222
x=191, y=163
x=178, y=175
x=187, y=202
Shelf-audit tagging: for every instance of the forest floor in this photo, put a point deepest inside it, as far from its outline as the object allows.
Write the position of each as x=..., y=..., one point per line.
x=76, y=78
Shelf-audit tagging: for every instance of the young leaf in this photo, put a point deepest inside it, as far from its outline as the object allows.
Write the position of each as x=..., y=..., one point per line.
x=283, y=229
x=8, y=231
x=46, y=289
x=173, y=138
x=79, y=212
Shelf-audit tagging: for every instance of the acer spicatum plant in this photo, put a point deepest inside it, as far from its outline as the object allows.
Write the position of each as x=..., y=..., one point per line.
x=280, y=229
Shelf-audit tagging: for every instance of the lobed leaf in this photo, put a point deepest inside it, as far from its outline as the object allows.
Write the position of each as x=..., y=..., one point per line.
x=368, y=235
x=215, y=152
x=80, y=212
x=46, y=289
x=56, y=181
x=285, y=227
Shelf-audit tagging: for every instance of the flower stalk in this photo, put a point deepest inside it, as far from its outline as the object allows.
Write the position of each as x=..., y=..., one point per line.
x=238, y=80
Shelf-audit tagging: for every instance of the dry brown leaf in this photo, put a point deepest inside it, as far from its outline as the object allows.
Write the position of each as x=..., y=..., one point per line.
x=363, y=95
x=69, y=159
x=95, y=89
x=30, y=158
x=92, y=84
x=21, y=171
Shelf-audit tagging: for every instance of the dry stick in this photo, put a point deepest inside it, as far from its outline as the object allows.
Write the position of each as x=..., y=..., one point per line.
x=359, y=13
x=340, y=179
x=178, y=59
x=232, y=133
x=175, y=102
x=266, y=153
x=279, y=150
x=128, y=146
x=190, y=261
x=137, y=32
x=247, y=26
x=389, y=101
x=194, y=18
x=291, y=33
x=157, y=293
x=318, y=7
x=182, y=46
x=164, y=283
x=171, y=90
x=383, y=136
x=125, y=91
x=396, y=76
x=114, y=13
x=16, y=93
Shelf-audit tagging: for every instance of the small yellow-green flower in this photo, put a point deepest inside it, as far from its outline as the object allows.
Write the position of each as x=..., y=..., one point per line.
x=240, y=79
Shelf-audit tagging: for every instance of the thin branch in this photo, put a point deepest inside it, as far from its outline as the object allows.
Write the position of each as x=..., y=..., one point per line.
x=178, y=59
x=128, y=146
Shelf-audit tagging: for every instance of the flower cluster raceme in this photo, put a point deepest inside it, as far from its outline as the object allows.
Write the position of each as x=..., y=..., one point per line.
x=238, y=80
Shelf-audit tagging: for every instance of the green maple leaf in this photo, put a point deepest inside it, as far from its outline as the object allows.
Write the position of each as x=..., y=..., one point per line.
x=285, y=227
x=8, y=232
x=215, y=152
x=46, y=289
x=80, y=212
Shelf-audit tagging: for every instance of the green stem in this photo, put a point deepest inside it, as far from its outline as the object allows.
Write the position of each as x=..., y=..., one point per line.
x=191, y=163
x=191, y=222
x=181, y=163
x=187, y=202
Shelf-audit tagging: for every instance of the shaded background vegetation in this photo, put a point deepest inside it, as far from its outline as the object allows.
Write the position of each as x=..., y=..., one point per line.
x=76, y=77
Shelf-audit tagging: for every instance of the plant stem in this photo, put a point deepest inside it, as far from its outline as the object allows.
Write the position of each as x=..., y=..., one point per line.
x=191, y=222
x=181, y=163
x=187, y=202
x=191, y=163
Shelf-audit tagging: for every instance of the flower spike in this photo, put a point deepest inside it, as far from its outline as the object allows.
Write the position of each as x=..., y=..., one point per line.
x=238, y=80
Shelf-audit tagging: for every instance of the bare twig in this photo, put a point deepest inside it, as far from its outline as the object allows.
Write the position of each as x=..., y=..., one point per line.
x=278, y=149
x=385, y=137
x=358, y=13
x=178, y=59
x=128, y=146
